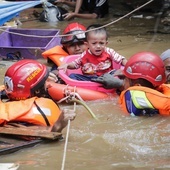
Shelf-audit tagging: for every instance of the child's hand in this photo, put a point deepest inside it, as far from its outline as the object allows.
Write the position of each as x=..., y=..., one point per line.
x=63, y=67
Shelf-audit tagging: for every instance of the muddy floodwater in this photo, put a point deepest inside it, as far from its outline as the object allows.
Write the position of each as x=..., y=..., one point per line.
x=116, y=141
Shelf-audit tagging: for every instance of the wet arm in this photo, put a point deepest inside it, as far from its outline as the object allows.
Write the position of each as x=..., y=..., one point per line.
x=70, y=3
x=71, y=65
x=62, y=121
x=86, y=16
x=116, y=56
x=67, y=2
x=78, y=6
x=70, y=15
x=67, y=66
x=59, y=125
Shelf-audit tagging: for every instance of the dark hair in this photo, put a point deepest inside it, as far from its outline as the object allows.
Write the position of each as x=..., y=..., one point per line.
x=96, y=28
x=142, y=82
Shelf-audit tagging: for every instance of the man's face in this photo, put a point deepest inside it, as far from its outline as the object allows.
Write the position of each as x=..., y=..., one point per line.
x=167, y=69
x=76, y=48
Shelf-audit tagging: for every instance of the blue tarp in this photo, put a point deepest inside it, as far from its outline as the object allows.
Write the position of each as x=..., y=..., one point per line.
x=9, y=10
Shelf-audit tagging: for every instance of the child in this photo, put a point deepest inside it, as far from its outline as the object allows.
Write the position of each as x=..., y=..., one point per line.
x=98, y=59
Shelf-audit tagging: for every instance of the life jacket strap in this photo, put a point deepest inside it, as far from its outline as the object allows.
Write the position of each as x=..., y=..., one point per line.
x=42, y=113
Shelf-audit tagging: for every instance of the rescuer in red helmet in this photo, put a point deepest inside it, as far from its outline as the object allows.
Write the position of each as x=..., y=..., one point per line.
x=146, y=69
x=29, y=102
x=143, y=91
x=72, y=43
x=76, y=38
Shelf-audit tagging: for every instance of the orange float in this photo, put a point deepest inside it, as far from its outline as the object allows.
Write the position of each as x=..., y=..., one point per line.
x=60, y=91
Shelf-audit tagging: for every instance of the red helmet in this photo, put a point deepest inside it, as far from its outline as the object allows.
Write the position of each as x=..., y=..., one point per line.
x=78, y=33
x=146, y=65
x=23, y=78
x=75, y=26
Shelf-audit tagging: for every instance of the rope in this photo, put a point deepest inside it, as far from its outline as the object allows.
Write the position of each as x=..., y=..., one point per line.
x=65, y=146
x=40, y=36
x=89, y=110
x=71, y=97
x=67, y=135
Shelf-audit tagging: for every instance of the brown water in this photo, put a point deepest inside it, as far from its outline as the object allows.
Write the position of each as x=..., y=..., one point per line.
x=117, y=141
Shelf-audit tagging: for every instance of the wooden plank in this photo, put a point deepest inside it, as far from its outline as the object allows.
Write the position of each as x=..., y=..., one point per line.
x=30, y=131
x=10, y=144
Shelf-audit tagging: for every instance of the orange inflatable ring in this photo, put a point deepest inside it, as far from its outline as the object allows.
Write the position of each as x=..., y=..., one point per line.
x=58, y=92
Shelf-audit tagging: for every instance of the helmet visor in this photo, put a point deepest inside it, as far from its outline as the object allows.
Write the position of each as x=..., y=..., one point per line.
x=73, y=35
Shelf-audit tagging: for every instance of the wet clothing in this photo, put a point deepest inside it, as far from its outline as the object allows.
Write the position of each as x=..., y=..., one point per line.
x=37, y=111
x=93, y=66
x=100, y=7
x=139, y=100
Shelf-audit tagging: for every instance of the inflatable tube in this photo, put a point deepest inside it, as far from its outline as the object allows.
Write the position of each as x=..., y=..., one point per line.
x=58, y=91
x=83, y=84
x=56, y=54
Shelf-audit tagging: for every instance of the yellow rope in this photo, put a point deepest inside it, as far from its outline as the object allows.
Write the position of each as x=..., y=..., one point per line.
x=84, y=104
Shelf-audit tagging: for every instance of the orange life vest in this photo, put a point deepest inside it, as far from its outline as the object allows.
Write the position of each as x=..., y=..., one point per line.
x=38, y=111
x=138, y=98
x=56, y=54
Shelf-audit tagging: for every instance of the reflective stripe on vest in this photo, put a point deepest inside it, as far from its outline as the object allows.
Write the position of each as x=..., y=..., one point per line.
x=140, y=100
x=136, y=102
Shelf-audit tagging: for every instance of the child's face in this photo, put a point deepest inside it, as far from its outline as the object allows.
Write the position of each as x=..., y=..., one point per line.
x=96, y=42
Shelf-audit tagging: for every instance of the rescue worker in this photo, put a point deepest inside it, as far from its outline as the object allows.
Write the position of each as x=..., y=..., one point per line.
x=70, y=45
x=142, y=90
x=26, y=86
